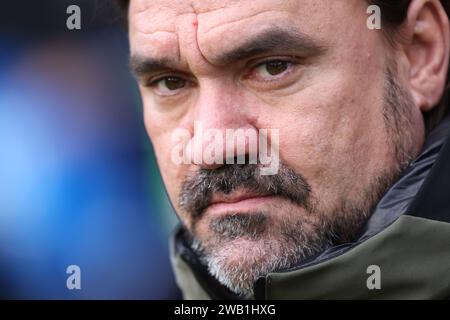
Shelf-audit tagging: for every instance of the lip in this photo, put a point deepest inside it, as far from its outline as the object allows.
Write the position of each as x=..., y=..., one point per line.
x=238, y=202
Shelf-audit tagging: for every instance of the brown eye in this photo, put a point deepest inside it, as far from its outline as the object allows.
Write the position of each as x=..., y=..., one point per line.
x=169, y=85
x=173, y=83
x=271, y=70
x=276, y=67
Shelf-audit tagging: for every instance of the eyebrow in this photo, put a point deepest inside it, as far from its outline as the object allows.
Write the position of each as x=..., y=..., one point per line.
x=272, y=40
x=141, y=66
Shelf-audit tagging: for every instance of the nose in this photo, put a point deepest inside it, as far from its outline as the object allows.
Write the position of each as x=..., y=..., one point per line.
x=224, y=129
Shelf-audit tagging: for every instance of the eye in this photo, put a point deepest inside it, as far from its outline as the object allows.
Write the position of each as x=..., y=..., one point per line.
x=271, y=70
x=168, y=85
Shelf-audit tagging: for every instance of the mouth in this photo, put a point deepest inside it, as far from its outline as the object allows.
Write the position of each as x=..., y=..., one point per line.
x=238, y=202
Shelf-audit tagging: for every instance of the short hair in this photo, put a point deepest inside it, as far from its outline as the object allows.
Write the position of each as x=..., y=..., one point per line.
x=394, y=13
x=123, y=7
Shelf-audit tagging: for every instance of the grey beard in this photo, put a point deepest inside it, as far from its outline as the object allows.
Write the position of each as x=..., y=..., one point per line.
x=272, y=252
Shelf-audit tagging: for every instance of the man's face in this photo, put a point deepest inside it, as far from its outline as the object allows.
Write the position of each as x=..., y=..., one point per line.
x=311, y=70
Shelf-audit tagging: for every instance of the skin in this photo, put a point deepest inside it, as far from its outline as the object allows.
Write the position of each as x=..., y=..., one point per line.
x=327, y=105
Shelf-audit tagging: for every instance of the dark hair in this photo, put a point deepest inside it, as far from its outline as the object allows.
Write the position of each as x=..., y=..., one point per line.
x=394, y=13
x=123, y=6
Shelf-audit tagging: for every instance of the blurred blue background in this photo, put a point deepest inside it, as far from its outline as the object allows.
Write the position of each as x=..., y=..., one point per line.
x=78, y=179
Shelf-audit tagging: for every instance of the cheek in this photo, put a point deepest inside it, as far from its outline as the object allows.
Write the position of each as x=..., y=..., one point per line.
x=336, y=139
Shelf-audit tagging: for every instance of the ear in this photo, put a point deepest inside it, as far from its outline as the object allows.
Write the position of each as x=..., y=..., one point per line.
x=427, y=49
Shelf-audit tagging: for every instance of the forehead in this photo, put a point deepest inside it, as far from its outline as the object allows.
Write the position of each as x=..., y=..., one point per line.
x=164, y=28
x=164, y=13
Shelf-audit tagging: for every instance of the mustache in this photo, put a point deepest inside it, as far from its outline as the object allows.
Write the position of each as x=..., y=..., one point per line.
x=197, y=189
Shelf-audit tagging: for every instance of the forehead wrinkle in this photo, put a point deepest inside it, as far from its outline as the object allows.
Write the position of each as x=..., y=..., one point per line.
x=178, y=18
x=201, y=31
x=205, y=6
x=239, y=19
x=158, y=6
x=140, y=21
x=158, y=15
x=168, y=16
x=155, y=46
x=191, y=53
x=229, y=25
x=152, y=33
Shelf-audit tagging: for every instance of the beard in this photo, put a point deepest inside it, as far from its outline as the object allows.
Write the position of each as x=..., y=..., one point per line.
x=245, y=246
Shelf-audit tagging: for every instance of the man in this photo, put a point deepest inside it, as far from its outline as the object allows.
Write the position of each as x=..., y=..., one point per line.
x=359, y=204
